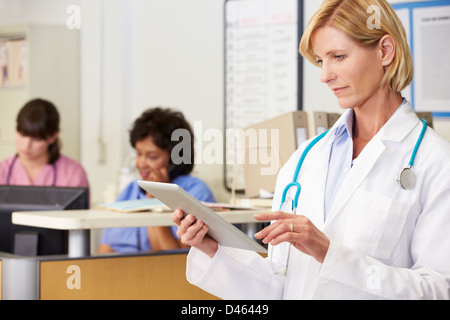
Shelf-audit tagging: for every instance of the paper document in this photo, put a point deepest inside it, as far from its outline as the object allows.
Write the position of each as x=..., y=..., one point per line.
x=432, y=56
x=139, y=205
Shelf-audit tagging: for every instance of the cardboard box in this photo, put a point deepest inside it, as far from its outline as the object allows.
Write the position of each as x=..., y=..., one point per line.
x=268, y=145
x=317, y=122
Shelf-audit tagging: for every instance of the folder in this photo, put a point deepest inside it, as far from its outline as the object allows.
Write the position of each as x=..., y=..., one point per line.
x=332, y=118
x=267, y=147
x=317, y=122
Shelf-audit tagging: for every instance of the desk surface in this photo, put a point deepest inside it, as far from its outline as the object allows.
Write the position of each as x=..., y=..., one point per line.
x=97, y=219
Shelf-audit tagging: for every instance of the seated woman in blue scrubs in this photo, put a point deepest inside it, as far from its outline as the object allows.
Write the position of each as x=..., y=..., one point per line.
x=151, y=137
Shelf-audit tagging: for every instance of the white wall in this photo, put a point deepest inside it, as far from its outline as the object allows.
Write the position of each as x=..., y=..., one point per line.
x=51, y=68
x=154, y=53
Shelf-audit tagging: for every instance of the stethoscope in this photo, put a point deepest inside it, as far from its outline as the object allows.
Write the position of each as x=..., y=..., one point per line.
x=11, y=166
x=406, y=178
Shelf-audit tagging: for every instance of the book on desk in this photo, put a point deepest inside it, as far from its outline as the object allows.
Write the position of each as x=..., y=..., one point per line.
x=138, y=205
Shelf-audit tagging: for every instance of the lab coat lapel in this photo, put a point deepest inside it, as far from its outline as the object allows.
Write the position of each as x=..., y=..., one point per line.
x=320, y=176
x=398, y=126
x=320, y=160
x=356, y=175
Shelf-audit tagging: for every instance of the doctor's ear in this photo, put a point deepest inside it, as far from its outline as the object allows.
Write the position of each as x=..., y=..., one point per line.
x=387, y=47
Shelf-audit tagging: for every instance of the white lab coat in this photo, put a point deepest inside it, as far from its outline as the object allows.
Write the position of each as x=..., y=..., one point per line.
x=386, y=242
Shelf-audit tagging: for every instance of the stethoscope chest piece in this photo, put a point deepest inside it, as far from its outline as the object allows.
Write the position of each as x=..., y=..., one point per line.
x=407, y=179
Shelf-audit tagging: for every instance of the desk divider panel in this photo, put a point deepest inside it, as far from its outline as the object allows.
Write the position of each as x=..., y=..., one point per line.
x=153, y=277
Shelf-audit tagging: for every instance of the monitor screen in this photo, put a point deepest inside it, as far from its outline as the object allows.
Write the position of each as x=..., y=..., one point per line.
x=24, y=240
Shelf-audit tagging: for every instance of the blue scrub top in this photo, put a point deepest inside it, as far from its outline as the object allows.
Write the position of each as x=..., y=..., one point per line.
x=136, y=239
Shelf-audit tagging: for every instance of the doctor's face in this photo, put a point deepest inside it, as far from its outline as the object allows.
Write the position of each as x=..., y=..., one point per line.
x=352, y=72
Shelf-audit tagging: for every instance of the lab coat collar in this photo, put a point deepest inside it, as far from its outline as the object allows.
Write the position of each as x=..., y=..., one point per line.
x=396, y=129
x=400, y=124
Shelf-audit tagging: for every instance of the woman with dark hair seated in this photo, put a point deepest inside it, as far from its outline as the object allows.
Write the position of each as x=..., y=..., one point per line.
x=151, y=137
x=38, y=160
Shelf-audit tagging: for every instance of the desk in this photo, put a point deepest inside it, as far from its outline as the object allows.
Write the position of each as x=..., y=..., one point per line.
x=79, y=222
x=122, y=277
x=155, y=276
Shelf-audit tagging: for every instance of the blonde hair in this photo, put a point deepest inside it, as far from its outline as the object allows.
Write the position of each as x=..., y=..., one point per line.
x=352, y=17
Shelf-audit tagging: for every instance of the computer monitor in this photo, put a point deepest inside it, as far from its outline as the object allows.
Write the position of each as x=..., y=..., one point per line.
x=34, y=198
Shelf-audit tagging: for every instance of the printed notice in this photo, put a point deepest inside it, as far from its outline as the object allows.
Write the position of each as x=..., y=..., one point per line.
x=432, y=58
x=261, y=69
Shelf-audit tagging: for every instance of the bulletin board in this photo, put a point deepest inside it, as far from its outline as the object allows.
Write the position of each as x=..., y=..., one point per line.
x=427, y=24
x=12, y=62
x=262, y=70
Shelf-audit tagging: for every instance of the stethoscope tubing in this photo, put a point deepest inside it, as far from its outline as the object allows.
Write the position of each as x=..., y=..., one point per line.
x=419, y=141
x=296, y=184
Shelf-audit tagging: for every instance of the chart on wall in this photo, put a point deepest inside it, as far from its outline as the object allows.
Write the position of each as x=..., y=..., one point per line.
x=262, y=72
x=427, y=25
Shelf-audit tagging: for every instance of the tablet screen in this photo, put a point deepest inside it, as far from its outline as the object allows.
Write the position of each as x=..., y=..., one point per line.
x=221, y=230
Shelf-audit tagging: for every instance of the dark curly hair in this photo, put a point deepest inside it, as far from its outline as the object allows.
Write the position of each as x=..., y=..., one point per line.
x=39, y=118
x=160, y=123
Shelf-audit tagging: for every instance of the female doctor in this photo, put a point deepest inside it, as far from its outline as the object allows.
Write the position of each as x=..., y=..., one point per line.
x=372, y=218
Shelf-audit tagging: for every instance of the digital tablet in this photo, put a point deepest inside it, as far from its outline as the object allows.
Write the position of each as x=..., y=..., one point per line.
x=220, y=230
